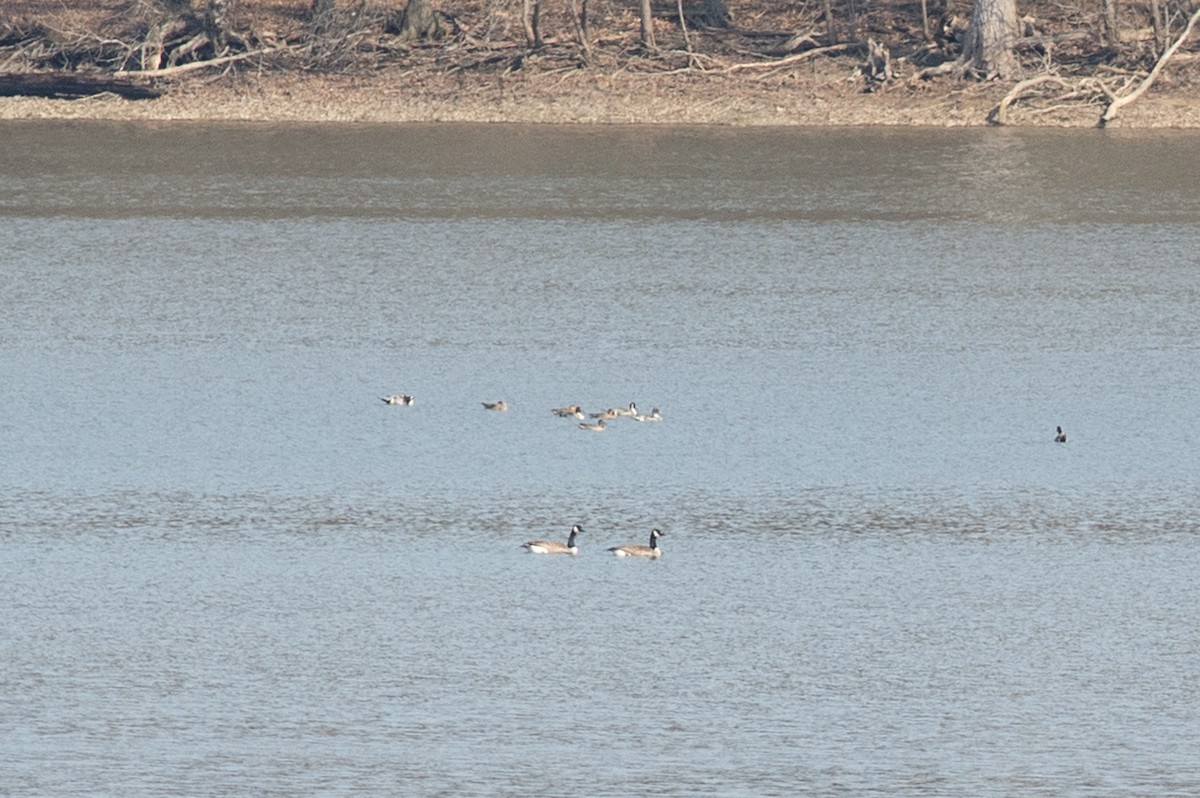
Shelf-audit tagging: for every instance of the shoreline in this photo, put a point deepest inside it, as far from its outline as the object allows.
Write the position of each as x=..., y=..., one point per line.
x=583, y=97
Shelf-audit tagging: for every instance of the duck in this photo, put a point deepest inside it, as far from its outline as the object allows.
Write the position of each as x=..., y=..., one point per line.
x=500, y=405
x=655, y=415
x=652, y=551
x=553, y=546
x=397, y=399
x=594, y=426
x=607, y=415
x=627, y=411
x=1061, y=437
x=570, y=411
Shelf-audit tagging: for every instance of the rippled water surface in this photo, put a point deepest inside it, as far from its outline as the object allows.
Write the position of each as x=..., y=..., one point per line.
x=228, y=569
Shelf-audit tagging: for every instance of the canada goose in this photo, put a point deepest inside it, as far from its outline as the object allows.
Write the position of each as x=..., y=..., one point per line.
x=655, y=415
x=570, y=411
x=501, y=405
x=397, y=399
x=607, y=415
x=640, y=551
x=628, y=411
x=553, y=546
x=597, y=426
x=1061, y=437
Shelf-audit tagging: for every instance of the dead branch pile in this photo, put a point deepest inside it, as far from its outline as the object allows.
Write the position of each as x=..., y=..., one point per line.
x=159, y=37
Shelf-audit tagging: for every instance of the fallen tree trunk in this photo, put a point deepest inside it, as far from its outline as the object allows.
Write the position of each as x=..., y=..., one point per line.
x=73, y=84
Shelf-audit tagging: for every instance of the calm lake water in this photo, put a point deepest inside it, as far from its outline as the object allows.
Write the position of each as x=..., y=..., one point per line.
x=228, y=569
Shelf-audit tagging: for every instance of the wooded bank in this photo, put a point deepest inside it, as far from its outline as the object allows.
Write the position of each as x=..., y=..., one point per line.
x=1098, y=54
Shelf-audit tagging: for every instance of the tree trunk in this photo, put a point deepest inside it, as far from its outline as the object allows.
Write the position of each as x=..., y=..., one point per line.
x=647, y=16
x=687, y=40
x=420, y=21
x=988, y=48
x=579, y=16
x=216, y=24
x=830, y=23
x=1112, y=34
x=531, y=18
x=1156, y=20
x=715, y=13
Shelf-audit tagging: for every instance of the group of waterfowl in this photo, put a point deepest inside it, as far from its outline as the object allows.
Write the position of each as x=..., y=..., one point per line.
x=599, y=421
x=594, y=422
x=570, y=547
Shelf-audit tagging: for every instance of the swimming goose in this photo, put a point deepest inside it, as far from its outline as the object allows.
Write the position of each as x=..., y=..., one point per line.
x=570, y=411
x=501, y=405
x=652, y=550
x=553, y=546
x=628, y=411
x=607, y=415
x=397, y=399
x=655, y=415
x=597, y=426
x=1061, y=437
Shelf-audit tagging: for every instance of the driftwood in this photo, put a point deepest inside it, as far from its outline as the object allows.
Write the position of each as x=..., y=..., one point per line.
x=999, y=114
x=1119, y=102
x=73, y=84
x=832, y=49
x=192, y=66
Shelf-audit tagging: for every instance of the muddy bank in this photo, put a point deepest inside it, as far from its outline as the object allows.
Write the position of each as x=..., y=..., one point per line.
x=581, y=96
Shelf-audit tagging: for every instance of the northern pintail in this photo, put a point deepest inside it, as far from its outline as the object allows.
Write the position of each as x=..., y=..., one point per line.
x=397, y=399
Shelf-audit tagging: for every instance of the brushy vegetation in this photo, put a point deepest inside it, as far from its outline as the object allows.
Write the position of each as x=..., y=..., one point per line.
x=1082, y=51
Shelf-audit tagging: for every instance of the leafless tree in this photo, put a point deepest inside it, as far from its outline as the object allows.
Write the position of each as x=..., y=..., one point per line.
x=988, y=49
x=646, y=13
x=1111, y=33
x=531, y=18
x=579, y=17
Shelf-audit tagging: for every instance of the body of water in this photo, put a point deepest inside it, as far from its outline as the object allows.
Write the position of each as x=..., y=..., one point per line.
x=228, y=568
